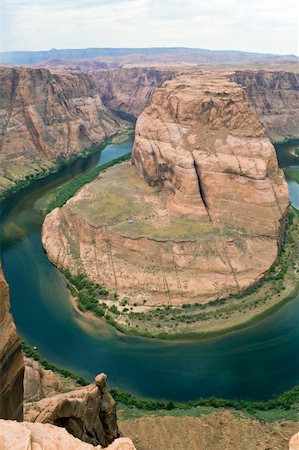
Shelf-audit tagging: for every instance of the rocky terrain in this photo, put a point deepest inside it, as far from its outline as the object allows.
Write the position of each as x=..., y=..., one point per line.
x=37, y=436
x=218, y=430
x=11, y=360
x=46, y=118
x=275, y=98
x=40, y=383
x=88, y=413
x=206, y=209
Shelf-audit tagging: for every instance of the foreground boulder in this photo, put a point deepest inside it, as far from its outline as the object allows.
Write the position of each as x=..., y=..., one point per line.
x=37, y=436
x=88, y=413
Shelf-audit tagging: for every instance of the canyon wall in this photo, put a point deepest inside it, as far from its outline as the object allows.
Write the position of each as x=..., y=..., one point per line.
x=129, y=90
x=274, y=94
x=11, y=361
x=201, y=220
x=275, y=98
x=47, y=117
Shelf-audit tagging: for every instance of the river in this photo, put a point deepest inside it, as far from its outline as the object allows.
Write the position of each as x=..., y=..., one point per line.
x=255, y=363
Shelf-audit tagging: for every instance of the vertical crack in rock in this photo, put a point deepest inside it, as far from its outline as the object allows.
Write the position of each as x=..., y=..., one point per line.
x=201, y=190
x=231, y=267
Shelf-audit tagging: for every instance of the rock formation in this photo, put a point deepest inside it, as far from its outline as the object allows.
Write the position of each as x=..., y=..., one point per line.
x=208, y=221
x=40, y=383
x=47, y=117
x=275, y=97
x=11, y=361
x=201, y=140
x=88, y=413
x=37, y=436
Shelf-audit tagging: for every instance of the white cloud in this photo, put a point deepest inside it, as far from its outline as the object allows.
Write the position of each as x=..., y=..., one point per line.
x=252, y=25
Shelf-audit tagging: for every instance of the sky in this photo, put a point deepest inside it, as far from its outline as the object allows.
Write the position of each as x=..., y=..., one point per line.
x=267, y=26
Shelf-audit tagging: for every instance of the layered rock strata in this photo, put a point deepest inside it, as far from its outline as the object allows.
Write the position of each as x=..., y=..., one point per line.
x=201, y=140
x=128, y=91
x=11, y=361
x=207, y=221
x=47, y=117
x=38, y=436
x=275, y=98
x=88, y=413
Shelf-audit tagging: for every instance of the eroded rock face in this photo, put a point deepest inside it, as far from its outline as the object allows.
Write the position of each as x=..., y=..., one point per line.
x=128, y=91
x=88, y=413
x=201, y=140
x=11, y=361
x=275, y=98
x=40, y=383
x=46, y=117
x=38, y=436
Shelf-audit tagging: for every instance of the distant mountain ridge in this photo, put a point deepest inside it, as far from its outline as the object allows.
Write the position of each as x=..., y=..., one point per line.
x=169, y=54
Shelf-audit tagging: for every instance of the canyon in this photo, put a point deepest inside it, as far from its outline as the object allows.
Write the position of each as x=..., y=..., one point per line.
x=202, y=133
x=49, y=116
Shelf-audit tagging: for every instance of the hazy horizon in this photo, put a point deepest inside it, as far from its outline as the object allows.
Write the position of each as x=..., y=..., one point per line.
x=257, y=26
x=146, y=48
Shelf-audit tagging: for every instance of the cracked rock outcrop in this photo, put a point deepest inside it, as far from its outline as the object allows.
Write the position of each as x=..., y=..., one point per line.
x=198, y=217
x=201, y=140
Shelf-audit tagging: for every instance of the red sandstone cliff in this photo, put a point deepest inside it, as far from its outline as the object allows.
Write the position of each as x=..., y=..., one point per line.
x=47, y=117
x=275, y=98
x=129, y=90
x=11, y=361
x=200, y=139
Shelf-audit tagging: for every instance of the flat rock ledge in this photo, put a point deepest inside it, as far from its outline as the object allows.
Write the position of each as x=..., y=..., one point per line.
x=39, y=436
